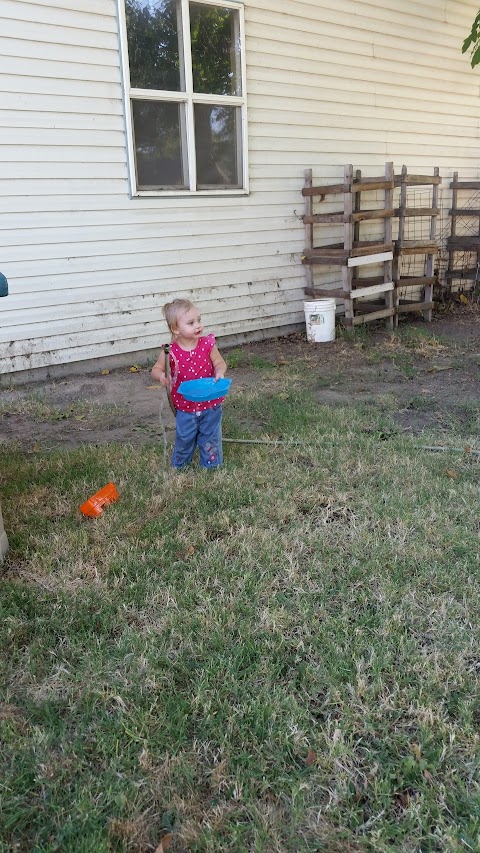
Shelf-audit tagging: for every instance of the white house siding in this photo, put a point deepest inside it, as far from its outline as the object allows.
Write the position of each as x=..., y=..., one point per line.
x=329, y=82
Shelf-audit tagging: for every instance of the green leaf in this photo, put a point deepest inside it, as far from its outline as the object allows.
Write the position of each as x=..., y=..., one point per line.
x=475, y=58
x=473, y=37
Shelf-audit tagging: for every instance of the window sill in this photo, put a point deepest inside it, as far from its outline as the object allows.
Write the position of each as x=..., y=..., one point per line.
x=189, y=194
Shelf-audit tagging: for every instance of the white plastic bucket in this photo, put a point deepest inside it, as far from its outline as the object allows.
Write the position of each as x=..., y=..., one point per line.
x=320, y=320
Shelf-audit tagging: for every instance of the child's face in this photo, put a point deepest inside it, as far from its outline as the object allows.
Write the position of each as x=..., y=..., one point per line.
x=189, y=325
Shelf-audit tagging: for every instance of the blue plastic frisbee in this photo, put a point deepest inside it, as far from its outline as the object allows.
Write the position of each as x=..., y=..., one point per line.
x=202, y=390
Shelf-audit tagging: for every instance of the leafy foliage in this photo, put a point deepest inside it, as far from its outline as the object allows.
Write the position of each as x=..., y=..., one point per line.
x=473, y=41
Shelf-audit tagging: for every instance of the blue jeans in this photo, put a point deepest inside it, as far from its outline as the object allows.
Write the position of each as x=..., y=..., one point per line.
x=202, y=428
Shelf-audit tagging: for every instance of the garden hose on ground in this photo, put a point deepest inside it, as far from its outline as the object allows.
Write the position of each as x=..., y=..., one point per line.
x=166, y=349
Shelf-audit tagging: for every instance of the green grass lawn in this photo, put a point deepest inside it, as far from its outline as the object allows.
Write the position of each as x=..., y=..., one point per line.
x=282, y=655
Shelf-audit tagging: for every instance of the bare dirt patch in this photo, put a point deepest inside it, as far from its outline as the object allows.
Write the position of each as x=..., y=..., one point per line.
x=427, y=375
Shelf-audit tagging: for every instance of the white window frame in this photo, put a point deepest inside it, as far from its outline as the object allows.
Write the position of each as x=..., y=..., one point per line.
x=189, y=98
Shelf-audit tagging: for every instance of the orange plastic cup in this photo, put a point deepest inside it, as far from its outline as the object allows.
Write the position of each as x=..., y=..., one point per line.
x=94, y=506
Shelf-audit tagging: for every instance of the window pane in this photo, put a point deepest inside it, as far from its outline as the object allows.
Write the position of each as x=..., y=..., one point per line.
x=215, y=36
x=217, y=139
x=159, y=153
x=153, y=28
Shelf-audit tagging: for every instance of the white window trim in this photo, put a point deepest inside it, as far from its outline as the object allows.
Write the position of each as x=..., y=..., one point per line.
x=189, y=98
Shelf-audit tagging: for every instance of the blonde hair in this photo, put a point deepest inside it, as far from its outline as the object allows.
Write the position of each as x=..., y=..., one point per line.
x=172, y=310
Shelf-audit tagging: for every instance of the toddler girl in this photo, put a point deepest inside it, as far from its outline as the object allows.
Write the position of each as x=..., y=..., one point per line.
x=192, y=356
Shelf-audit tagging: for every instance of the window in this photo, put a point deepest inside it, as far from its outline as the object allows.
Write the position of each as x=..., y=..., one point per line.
x=184, y=81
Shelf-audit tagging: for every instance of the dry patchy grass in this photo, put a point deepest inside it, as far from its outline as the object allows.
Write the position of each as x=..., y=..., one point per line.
x=279, y=656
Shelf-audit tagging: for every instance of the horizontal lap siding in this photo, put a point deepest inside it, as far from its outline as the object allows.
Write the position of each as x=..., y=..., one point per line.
x=363, y=83
x=328, y=83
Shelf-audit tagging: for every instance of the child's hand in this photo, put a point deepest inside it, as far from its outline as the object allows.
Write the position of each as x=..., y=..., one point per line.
x=161, y=377
x=159, y=372
x=219, y=365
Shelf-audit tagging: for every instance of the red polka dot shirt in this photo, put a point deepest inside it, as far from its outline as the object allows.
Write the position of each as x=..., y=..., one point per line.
x=194, y=364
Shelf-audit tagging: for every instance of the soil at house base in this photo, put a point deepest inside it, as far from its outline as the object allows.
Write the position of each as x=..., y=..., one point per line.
x=426, y=372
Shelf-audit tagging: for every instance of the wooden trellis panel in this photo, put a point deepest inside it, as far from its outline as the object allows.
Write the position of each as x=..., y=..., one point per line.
x=352, y=253
x=426, y=247
x=468, y=246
